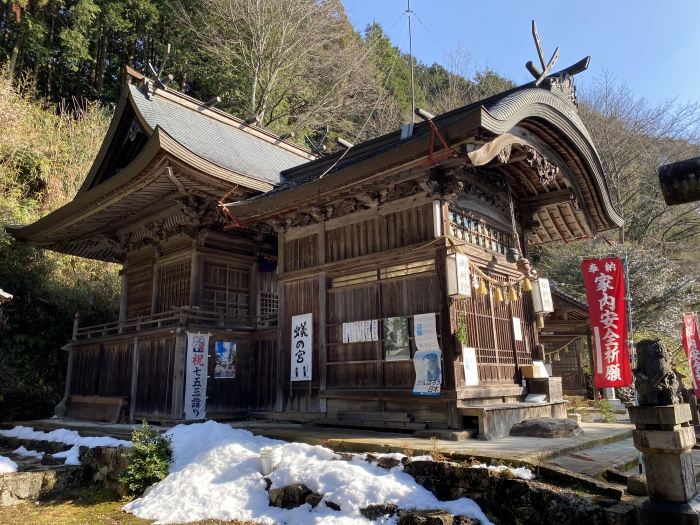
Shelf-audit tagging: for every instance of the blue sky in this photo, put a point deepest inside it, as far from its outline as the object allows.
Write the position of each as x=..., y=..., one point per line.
x=652, y=46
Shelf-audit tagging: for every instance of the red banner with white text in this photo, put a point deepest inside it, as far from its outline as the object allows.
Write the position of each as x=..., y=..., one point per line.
x=604, y=280
x=691, y=345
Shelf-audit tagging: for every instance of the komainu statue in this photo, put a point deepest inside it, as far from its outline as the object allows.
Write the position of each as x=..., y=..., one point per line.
x=654, y=378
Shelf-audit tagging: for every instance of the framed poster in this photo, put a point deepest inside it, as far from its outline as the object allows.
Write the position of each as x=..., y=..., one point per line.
x=302, y=347
x=225, y=355
x=396, y=344
x=428, y=365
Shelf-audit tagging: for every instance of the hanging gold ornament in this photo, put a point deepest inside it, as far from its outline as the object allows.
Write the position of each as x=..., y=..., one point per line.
x=527, y=285
x=482, y=288
x=498, y=294
x=512, y=294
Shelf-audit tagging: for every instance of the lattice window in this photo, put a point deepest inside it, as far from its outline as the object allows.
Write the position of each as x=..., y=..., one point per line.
x=226, y=289
x=174, y=285
x=269, y=301
x=388, y=272
x=475, y=230
x=489, y=326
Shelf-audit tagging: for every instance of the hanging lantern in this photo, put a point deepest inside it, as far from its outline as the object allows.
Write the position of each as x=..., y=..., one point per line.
x=498, y=294
x=482, y=288
x=527, y=285
x=512, y=294
x=557, y=357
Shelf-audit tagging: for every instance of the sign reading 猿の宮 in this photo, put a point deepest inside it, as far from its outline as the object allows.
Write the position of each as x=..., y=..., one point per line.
x=196, y=377
x=302, y=347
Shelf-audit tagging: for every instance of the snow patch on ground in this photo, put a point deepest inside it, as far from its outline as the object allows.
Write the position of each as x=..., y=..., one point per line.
x=69, y=437
x=216, y=474
x=520, y=472
x=7, y=465
x=22, y=451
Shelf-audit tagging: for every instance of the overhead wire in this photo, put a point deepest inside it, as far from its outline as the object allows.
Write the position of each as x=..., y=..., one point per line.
x=371, y=114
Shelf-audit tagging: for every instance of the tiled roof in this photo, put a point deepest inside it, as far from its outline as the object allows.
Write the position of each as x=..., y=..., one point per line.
x=216, y=141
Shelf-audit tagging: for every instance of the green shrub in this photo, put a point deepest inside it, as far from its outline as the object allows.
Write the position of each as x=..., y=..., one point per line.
x=606, y=410
x=149, y=459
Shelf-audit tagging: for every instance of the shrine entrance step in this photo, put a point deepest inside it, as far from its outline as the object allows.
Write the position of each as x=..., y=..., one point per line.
x=496, y=420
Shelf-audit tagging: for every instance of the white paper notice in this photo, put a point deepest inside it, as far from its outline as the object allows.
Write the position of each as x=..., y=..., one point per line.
x=517, y=329
x=471, y=372
x=361, y=331
x=302, y=347
x=425, y=332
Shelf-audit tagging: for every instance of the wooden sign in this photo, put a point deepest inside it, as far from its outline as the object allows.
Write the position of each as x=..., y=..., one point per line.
x=542, y=296
x=302, y=347
x=458, y=282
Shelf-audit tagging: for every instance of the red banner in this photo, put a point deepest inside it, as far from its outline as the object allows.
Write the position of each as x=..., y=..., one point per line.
x=605, y=290
x=691, y=345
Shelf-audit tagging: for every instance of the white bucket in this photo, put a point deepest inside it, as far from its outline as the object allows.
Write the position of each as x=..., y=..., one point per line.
x=270, y=457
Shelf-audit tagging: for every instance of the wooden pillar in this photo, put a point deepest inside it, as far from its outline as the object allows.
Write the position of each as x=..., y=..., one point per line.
x=196, y=274
x=281, y=323
x=71, y=352
x=254, y=295
x=123, y=297
x=322, y=336
x=155, y=292
x=134, y=378
x=322, y=313
x=180, y=353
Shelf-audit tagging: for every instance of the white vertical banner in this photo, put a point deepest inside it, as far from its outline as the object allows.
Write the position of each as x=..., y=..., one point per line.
x=302, y=347
x=196, y=375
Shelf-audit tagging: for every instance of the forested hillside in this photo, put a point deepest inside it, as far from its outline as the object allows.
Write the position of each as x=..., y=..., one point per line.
x=295, y=66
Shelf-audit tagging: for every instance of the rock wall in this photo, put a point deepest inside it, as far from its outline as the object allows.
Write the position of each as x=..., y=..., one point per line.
x=516, y=501
x=103, y=465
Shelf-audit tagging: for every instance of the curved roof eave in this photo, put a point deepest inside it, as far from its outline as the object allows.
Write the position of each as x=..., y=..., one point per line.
x=496, y=115
x=534, y=103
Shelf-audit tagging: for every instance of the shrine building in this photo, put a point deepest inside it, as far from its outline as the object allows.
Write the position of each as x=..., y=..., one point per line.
x=386, y=285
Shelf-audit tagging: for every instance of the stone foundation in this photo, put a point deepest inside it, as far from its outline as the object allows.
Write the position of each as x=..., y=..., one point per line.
x=518, y=501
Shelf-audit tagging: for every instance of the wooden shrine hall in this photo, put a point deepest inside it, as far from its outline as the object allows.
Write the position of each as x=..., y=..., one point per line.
x=385, y=285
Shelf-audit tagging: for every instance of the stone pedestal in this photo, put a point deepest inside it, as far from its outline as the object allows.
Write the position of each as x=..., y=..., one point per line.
x=665, y=438
x=550, y=386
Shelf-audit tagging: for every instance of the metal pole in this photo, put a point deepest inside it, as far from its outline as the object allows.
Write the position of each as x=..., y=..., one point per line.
x=410, y=54
x=630, y=340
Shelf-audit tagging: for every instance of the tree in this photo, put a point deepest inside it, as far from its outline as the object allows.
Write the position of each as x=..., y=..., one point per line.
x=285, y=63
x=634, y=137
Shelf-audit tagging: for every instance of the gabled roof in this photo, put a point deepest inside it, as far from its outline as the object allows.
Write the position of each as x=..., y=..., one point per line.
x=209, y=133
x=221, y=140
x=161, y=146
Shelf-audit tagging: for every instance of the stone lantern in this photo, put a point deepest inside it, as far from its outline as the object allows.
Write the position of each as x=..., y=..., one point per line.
x=665, y=436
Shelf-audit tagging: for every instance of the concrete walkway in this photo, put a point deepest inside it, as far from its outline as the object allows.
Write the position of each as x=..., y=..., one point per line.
x=525, y=449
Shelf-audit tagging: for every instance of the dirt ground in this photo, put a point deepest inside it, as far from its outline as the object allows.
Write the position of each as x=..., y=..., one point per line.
x=89, y=506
